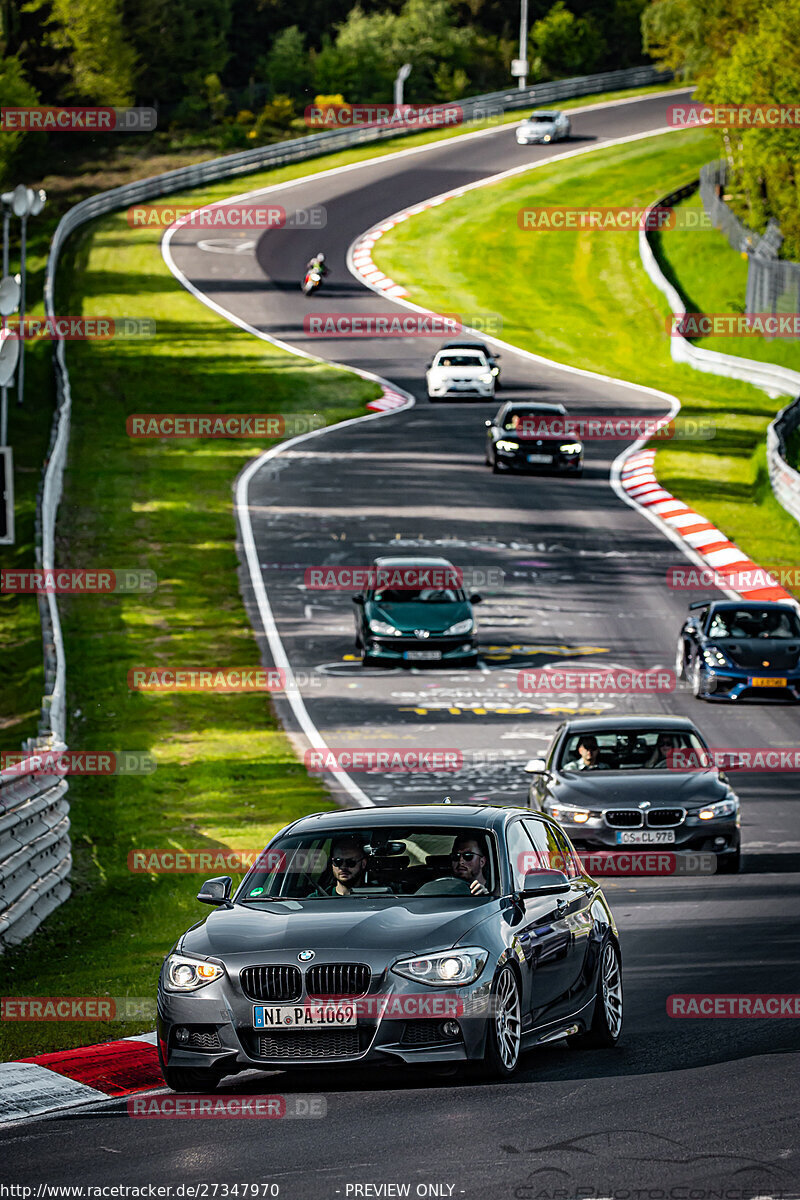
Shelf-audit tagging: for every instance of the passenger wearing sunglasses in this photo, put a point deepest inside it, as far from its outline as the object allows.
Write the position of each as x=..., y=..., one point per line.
x=468, y=862
x=348, y=864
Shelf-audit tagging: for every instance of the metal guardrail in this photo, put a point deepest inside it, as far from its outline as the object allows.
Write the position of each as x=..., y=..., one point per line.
x=773, y=285
x=784, y=479
x=772, y=379
x=35, y=857
x=35, y=852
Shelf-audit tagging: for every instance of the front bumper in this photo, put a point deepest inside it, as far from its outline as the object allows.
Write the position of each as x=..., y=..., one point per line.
x=472, y=387
x=719, y=835
x=396, y=649
x=221, y=1018
x=517, y=460
x=726, y=683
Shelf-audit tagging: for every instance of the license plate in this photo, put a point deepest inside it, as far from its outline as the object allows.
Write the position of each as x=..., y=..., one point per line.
x=422, y=655
x=302, y=1016
x=756, y=681
x=540, y=458
x=644, y=837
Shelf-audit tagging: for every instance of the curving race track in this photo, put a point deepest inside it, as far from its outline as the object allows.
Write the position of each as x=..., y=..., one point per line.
x=679, y=1104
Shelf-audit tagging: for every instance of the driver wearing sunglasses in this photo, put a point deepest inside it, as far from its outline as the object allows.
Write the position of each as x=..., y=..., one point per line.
x=348, y=864
x=468, y=861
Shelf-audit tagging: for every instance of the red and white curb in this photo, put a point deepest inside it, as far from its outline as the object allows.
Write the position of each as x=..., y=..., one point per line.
x=389, y=400
x=361, y=253
x=638, y=479
x=31, y=1087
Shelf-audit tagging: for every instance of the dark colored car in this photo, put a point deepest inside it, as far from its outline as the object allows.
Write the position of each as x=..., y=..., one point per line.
x=428, y=619
x=741, y=650
x=409, y=964
x=532, y=436
x=491, y=356
x=634, y=792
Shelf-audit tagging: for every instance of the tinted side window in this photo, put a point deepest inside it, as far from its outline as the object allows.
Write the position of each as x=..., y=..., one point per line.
x=537, y=832
x=522, y=856
x=562, y=857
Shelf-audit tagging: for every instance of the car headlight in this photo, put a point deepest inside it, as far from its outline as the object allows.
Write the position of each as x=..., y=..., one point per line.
x=383, y=627
x=722, y=808
x=188, y=974
x=571, y=448
x=715, y=658
x=502, y=444
x=487, y=377
x=452, y=968
x=465, y=626
x=570, y=812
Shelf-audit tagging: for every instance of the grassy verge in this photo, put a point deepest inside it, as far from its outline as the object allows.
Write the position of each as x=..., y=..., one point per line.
x=712, y=278
x=227, y=775
x=582, y=297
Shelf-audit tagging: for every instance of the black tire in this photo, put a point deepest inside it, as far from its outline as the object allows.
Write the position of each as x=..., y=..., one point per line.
x=697, y=678
x=495, y=467
x=606, y=1024
x=680, y=659
x=503, y=1036
x=188, y=1079
x=729, y=864
x=472, y=661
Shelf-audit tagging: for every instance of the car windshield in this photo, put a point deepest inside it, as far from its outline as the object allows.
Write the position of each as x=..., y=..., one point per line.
x=364, y=862
x=417, y=595
x=542, y=118
x=461, y=360
x=630, y=750
x=528, y=420
x=754, y=623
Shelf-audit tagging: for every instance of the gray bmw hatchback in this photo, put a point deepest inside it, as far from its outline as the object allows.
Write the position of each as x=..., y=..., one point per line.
x=422, y=934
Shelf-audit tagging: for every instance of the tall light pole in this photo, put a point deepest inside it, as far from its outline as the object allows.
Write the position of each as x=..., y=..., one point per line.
x=400, y=78
x=27, y=203
x=521, y=64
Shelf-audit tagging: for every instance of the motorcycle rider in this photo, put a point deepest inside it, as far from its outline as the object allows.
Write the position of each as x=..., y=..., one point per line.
x=317, y=263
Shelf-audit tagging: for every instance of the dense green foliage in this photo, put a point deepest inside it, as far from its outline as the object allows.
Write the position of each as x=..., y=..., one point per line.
x=742, y=52
x=156, y=52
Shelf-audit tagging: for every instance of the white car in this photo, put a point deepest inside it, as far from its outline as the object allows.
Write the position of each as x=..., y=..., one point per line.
x=545, y=125
x=459, y=373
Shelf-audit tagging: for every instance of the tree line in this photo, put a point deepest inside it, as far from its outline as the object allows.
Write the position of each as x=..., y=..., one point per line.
x=742, y=52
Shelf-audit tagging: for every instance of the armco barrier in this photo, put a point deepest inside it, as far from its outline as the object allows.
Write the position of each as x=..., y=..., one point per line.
x=33, y=873
x=774, y=380
x=35, y=853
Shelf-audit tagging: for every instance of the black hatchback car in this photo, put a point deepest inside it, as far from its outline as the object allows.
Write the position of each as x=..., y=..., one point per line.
x=741, y=650
x=389, y=936
x=615, y=782
x=532, y=436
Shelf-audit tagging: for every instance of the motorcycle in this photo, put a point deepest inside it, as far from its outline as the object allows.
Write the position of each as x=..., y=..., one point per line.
x=311, y=282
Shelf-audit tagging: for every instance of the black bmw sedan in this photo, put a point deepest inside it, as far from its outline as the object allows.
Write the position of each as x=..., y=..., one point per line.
x=532, y=436
x=616, y=781
x=389, y=936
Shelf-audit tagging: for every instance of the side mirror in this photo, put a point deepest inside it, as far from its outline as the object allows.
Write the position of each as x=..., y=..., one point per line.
x=545, y=883
x=216, y=891
x=476, y=599
x=536, y=766
x=358, y=598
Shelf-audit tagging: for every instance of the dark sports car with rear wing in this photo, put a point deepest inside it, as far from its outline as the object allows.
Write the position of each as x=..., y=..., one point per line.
x=425, y=934
x=741, y=650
